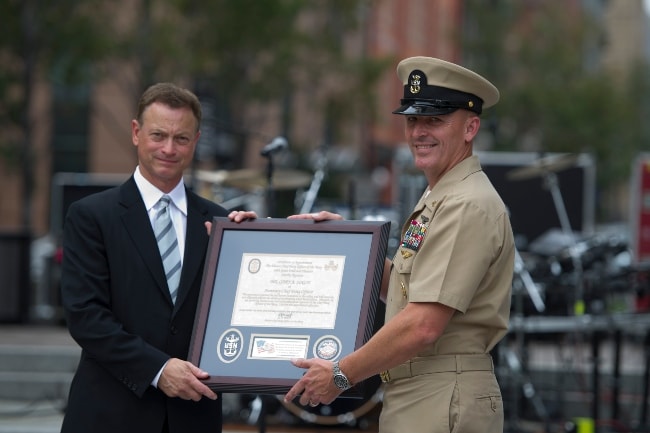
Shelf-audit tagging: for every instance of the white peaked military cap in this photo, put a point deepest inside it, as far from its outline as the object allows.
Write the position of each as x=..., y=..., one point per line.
x=433, y=87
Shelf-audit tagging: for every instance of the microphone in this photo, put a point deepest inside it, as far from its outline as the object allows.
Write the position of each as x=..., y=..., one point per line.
x=278, y=144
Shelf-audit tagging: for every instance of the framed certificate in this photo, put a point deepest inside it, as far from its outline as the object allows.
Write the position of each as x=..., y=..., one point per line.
x=278, y=289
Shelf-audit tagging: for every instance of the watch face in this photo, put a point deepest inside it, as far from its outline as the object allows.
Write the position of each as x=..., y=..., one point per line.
x=341, y=382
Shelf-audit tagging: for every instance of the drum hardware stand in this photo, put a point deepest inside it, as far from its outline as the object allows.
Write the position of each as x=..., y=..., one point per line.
x=512, y=359
x=552, y=185
x=547, y=170
x=616, y=387
x=258, y=413
x=529, y=284
x=514, y=366
x=317, y=180
x=643, y=422
x=258, y=410
x=255, y=415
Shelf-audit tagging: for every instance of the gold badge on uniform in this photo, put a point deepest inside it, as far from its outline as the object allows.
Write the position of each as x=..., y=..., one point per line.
x=414, y=235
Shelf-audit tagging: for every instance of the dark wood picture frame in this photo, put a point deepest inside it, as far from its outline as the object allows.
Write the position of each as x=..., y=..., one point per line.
x=228, y=352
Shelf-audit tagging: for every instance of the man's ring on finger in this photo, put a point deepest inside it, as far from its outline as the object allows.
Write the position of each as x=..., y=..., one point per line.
x=312, y=404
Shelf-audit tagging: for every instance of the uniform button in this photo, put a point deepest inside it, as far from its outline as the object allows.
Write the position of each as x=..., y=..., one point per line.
x=174, y=330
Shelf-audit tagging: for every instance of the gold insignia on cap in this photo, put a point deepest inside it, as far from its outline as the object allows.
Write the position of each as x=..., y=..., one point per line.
x=415, y=84
x=471, y=104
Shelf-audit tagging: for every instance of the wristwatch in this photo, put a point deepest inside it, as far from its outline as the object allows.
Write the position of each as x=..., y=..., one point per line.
x=340, y=380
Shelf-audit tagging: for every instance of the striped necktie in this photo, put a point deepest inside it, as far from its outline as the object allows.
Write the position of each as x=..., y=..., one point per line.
x=167, y=244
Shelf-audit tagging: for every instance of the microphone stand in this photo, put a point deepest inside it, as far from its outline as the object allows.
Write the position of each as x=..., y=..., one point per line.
x=278, y=144
x=270, y=192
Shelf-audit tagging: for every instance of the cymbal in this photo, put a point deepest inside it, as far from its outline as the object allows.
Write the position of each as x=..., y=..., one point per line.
x=251, y=179
x=216, y=176
x=542, y=166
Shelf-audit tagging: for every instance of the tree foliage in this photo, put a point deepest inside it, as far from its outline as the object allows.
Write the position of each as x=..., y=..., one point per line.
x=237, y=52
x=40, y=40
x=545, y=58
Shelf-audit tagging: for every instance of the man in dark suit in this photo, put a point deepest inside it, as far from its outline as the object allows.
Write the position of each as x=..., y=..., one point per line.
x=133, y=328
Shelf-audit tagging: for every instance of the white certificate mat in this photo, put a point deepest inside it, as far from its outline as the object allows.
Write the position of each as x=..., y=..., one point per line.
x=288, y=290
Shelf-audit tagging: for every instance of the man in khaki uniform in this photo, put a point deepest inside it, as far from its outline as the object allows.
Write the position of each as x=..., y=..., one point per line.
x=449, y=286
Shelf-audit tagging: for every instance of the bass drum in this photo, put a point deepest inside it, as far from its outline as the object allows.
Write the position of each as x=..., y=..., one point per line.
x=357, y=412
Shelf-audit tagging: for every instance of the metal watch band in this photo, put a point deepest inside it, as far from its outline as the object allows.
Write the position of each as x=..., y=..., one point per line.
x=340, y=380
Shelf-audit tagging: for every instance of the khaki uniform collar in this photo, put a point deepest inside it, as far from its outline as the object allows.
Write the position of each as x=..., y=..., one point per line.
x=457, y=174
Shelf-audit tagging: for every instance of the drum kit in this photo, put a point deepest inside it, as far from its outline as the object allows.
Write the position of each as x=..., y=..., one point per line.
x=563, y=272
x=564, y=275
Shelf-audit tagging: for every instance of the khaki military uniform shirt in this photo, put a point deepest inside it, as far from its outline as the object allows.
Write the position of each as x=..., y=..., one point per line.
x=457, y=249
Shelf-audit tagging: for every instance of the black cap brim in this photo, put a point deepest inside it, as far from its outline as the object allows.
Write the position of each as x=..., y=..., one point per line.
x=419, y=108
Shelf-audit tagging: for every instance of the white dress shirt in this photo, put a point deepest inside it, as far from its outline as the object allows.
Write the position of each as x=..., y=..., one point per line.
x=178, y=213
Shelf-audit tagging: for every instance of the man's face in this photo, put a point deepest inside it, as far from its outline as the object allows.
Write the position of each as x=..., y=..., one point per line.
x=438, y=143
x=166, y=140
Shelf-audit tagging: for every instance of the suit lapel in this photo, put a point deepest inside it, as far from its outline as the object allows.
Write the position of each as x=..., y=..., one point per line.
x=196, y=241
x=137, y=224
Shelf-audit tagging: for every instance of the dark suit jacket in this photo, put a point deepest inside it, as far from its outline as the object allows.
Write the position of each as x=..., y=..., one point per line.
x=118, y=308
